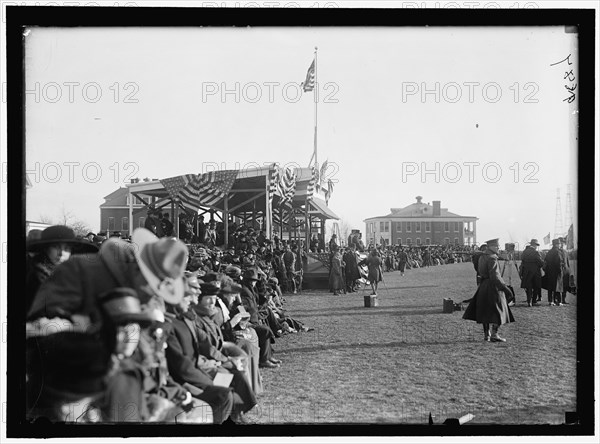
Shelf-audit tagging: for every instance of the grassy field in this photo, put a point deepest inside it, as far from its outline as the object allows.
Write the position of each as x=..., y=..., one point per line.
x=400, y=361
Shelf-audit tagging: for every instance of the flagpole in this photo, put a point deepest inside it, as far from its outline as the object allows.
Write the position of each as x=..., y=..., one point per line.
x=315, y=92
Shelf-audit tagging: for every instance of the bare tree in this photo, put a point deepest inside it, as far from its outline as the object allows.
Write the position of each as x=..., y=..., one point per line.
x=45, y=219
x=345, y=230
x=66, y=217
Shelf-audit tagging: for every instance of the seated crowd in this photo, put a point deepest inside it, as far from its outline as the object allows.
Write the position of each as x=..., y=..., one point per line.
x=150, y=329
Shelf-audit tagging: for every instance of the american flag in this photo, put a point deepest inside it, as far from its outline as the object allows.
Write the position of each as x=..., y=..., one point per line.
x=196, y=190
x=309, y=83
x=214, y=185
x=174, y=185
x=310, y=189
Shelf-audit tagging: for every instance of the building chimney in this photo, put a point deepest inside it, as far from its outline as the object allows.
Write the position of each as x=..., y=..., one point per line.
x=419, y=199
x=436, y=208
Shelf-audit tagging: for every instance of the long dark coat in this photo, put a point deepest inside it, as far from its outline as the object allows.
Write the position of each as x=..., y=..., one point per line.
x=352, y=272
x=532, y=263
x=557, y=269
x=489, y=303
x=374, y=265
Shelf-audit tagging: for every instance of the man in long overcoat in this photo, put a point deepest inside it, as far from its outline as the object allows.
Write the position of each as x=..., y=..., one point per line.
x=531, y=273
x=489, y=305
x=352, y=273
x=557, y=268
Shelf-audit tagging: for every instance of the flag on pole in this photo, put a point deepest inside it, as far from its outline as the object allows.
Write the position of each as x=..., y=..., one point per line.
x=309, y=83
x=547, y=239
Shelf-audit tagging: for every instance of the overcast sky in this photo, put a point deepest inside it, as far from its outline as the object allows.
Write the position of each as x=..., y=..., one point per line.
x=148, y=103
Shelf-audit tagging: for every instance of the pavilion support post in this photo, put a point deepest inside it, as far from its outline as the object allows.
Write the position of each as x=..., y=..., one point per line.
x=130, y=198
x=307, y=226
x=267, y=219
x=226, y=219
x=172, y=211
x=176, y=219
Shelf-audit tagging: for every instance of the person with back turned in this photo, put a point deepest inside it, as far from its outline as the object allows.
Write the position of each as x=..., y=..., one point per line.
x=488, y=305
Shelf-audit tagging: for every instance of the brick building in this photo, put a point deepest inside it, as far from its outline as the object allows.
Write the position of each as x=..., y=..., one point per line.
x=421, y=224
x=114, y=212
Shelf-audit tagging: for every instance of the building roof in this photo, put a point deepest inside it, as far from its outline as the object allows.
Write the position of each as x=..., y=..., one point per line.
x=418, y=210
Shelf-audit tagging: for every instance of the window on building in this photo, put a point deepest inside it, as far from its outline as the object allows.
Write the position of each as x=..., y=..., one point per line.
x=418, y=241
x=399, y=240
x=446, y=226
x=399, y=227
x=111, y=224
x=427, y=241
x=381, y=226
x=418, y=227
x=428, y=227
x=456, y=227
x=387, y=227
x=141, y=222
x=408, y=241
x=408, y=226
x=447, y=240
x=372, y=227
x=455, y=241
x=124, y=223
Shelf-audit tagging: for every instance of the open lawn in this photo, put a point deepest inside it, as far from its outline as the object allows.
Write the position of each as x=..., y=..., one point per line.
x=400, y=361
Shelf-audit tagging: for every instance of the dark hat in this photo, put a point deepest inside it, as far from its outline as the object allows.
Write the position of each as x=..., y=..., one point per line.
x=90, y=234
x=123, y=307
x=233, y=272
x=493, y=242
x=61, y=234
x=563, y=240
x=251, y=274
x=230, y=289
x=534, y=242
x=211, y=288
x=556, y=241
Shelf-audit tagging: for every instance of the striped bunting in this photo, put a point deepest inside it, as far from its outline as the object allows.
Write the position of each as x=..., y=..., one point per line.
x=213, y=186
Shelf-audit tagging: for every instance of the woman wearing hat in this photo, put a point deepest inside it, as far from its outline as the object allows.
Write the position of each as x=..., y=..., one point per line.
x=219, y=356
x=489, y=305
x=53, y=247
x=531, y=273
x=233, y=322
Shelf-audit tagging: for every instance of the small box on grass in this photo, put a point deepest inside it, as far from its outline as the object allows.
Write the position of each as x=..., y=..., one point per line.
x=371, y=301
x=448, y=305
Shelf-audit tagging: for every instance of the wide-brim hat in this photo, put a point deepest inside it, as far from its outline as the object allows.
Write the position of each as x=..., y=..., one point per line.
x=123, y=307
x=211, y=288
x=61, y=234
x=251, y=274
x=534, y=242
x=231, y=289
x=162, y=263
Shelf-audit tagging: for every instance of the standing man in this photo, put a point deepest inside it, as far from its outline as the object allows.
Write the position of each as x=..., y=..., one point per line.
x=531, y=273
x=489, y=306
x=557, y=268
x=167, y=225
x=352, y=272
x=510, y=263
x=402, y=260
